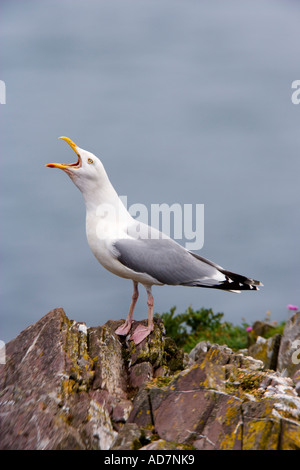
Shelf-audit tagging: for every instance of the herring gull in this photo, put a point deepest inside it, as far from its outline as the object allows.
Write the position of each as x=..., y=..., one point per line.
x=134, y=250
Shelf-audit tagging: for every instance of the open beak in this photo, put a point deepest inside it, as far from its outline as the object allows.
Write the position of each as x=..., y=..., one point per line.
x=64, y=166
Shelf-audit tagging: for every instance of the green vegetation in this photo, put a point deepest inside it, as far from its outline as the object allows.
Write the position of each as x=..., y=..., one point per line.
x=192, y=326
x=276, y=329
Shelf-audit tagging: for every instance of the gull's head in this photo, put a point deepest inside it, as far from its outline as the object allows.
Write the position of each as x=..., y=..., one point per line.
x=87, y=172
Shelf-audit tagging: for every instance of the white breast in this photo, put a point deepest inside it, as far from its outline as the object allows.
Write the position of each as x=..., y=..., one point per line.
x=101, y=233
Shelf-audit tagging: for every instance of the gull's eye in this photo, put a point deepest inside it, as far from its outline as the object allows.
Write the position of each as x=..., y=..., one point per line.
x=90, y=160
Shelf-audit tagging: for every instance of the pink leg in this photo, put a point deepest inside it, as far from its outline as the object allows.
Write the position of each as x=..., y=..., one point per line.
x=125, y=328
x=141, y=332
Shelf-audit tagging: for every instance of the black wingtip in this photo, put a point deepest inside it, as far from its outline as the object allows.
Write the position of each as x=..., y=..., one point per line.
x=236, y=282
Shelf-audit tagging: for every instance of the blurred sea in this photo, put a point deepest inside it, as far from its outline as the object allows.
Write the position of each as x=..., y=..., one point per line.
x=185, y=102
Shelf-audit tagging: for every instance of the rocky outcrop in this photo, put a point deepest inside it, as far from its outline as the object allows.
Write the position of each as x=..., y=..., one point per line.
x=278, y=352
x=289, y=351
x=66, y=386
x=266, y=350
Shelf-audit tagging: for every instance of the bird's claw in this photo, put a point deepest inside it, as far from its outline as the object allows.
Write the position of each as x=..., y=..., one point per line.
x=140, y=333
x=124, y=329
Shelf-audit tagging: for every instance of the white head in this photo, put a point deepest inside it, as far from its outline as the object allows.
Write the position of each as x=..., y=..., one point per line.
x=87, y=173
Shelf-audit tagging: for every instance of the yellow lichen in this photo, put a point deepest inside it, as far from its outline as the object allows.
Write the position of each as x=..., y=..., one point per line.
x=261, y=434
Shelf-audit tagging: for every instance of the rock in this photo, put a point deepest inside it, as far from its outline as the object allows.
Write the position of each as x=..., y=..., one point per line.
x=152, y=350
x=260, y=427
x=198, y=418
x=66, y=386
x=47, y=401
x=161, y=444
x=129, y=438
x=147, y=400
x=289, y=351
x=296, y=378
x=266, y=350
x=174, y=357
x=259, y=328
x=140, y=374
x=198, y=353
x=203, y=406
x=106, y=352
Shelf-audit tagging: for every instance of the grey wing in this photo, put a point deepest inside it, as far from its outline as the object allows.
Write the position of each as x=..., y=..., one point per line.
x=167, y=262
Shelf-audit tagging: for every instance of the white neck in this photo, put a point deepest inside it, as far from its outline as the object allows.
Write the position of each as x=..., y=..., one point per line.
x=103, y=202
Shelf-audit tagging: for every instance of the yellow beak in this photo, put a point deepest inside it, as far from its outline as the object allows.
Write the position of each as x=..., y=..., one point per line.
x=64, y=166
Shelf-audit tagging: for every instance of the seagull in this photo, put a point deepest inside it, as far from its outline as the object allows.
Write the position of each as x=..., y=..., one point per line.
x=133, y=250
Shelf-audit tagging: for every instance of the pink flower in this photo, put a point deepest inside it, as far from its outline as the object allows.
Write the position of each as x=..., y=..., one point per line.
x=249, y=328
x=292, y=307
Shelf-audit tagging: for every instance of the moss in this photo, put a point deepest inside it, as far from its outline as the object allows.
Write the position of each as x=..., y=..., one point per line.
x=244, y=382
x=159, y=382
x=249, y=381
x=173, y=355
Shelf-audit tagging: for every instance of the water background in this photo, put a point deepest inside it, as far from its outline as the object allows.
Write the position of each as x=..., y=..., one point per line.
x=185, y=102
